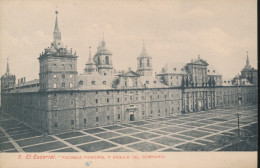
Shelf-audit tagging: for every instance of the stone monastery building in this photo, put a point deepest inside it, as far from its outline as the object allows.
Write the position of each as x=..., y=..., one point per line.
x=62, y=100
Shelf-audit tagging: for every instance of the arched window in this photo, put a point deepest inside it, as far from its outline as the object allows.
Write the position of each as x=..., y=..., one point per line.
x=148, y=62
x=141, y=63
x=107, y=60
x=99, y=62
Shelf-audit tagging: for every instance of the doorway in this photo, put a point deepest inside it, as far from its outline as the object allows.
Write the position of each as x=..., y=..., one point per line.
x=132, y=117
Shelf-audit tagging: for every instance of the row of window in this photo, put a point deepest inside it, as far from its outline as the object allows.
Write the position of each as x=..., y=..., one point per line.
x=63, y=85
x=63, y=76
x=54, y=67
x=85, y=120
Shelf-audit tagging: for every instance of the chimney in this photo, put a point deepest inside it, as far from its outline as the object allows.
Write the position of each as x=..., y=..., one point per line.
x=24, y=79
x=21, y=80
x=18, y=81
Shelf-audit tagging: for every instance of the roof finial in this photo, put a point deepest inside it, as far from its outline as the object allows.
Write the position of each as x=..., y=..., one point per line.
x=56, y=33
x=103, y=41
x=247, y=59
x=7, y=66
x=89, y=52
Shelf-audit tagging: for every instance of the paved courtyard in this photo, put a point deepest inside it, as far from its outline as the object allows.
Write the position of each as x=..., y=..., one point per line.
x=214, y=130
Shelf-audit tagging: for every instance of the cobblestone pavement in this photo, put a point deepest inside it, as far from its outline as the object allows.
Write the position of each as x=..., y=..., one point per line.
x=212, y=130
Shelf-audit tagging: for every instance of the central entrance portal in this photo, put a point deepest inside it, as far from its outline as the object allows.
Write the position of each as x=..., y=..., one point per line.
x=132, y=117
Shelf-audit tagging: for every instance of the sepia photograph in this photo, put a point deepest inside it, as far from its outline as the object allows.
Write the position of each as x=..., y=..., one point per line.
x=107, y=83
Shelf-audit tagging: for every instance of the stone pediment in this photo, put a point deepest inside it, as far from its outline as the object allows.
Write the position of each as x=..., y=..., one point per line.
x=131, y=74
x=200, y=62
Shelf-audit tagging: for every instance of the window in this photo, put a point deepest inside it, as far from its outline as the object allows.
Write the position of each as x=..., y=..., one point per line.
x=54, y=76
x=72, y=122
x=107, y=100
x=96, y=100
x=107, y=60
x=62, y=66
x=118, y=100
x=63, y=84
x=84, y=102
x=104, y=82
x=96, y=119
x=108, y=92
x=93, y=82
x=63, y=76
x=71, y=76
x=71, y=85
x=54, y=85
x=71, y=102
x=148, y=62
x=151, y=111
x=96, y=109
x=81, y=82
x=174, y=69
x=55, y=124
x=118, y=116
x=70, y=66
x=54, y=66
x=85, y=121
x=108, y=118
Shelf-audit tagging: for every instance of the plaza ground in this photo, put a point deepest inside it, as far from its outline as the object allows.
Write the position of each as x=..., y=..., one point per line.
x=214, y=130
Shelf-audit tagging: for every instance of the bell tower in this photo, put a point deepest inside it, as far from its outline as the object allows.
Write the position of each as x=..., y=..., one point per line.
x=103, y=60
x=8, y=79
x=58, y=65
x=144, y=63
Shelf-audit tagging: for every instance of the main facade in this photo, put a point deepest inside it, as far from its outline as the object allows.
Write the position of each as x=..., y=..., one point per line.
x=62, y=100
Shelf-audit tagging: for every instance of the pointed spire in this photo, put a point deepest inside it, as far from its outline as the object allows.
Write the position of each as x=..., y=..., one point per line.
x=103, y=41
x=7, y=67
x=89, y=53
x=56, y=28
x=56, y=33
x=247, y=60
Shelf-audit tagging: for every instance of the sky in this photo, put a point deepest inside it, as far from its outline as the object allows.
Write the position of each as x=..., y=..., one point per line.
x=220, y=31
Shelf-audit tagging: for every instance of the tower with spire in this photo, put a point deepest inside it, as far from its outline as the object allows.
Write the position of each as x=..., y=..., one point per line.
x=58, y=65
x=8, y=79
x=90, y=68
x=144, y=63
x=103, y=60
x=249, y=72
